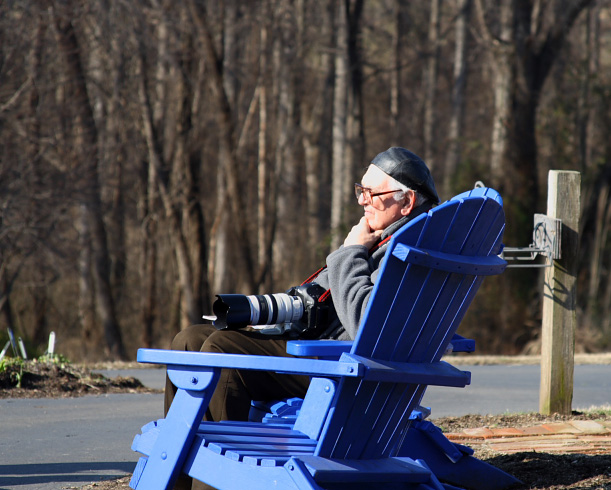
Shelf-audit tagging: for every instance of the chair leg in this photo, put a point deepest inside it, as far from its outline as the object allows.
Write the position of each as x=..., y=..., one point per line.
x=174, y=441
x=465, y=472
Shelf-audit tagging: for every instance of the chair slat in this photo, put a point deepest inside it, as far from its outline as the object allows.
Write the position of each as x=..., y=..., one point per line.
x=261, y=441
x=248, y=429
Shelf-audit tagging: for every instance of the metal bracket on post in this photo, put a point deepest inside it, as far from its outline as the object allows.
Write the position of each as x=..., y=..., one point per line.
x=546, y=241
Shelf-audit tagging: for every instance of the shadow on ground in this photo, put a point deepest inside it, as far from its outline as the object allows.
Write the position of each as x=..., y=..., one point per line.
x=32, y=474
x=544, y=470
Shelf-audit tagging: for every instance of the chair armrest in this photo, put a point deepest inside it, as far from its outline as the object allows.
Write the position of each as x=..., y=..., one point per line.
x=461, y=344
x=203, y=361
x=438, y=373
x=318, y=348
x=462, y=264
x=333, y=349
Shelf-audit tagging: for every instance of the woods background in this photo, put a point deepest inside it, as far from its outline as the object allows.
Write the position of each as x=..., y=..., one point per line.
x=156, y=152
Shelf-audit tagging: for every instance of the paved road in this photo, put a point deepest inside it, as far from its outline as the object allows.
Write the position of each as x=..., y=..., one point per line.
x=513, y=389
x=51, y=444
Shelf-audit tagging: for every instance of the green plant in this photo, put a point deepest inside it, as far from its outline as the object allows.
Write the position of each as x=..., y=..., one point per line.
x=14, y=366
x=57, y=359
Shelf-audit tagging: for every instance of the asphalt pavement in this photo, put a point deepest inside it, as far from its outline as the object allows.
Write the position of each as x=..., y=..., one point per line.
x=50, y=444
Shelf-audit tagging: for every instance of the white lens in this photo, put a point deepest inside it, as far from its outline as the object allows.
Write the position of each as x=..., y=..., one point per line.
x=255, y=311
x=290, y=308
x=269, y=309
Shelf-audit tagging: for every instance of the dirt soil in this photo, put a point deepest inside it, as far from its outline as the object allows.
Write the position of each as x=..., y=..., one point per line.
x=538, y=470
x=36, y=379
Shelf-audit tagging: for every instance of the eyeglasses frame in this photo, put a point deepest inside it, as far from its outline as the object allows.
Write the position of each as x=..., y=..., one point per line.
x=366, y=191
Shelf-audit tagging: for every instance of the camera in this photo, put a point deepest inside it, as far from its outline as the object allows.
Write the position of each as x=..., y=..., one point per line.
x=301, y=306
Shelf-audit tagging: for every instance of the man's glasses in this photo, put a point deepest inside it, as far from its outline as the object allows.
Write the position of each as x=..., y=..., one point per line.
x=368, y=193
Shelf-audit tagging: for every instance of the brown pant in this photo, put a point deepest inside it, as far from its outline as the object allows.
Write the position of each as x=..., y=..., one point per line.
x=236, y=388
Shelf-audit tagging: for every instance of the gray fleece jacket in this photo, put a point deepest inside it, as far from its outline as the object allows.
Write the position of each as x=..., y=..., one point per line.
x=350, y=275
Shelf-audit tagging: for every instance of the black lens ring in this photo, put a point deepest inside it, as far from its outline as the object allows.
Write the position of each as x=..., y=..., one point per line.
x=263, y=309
x=274, y=317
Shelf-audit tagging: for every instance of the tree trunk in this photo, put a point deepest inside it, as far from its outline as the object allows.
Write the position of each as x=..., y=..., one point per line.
x=148, y=257
x=455, y=130
x=86, y=299
x=315, y=129
x=86, y=157
x=398, y=40
x=262, y=167
x=430, y=84
x=222, y=254
x=340, y=138
x=354, y=123
x=586, y=111
x=186, y=186
x=501, y=55
x=288, y=238
x=181, y=250
x=230, y=165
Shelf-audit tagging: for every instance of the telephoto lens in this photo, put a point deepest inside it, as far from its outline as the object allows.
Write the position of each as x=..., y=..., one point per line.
x=237, y=311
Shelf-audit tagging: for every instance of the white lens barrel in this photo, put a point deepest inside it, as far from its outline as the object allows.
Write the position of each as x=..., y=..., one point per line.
x=269, y=309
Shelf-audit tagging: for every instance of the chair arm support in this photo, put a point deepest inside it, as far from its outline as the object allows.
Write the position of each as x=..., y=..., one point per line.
x=463, y=264
x=318, y=348
x=438, y=373
x=287, y=365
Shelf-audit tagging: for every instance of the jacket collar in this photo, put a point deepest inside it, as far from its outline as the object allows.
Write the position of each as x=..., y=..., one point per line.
x=390, y=229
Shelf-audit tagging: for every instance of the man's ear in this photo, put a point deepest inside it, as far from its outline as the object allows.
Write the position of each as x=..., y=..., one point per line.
x=409, y=203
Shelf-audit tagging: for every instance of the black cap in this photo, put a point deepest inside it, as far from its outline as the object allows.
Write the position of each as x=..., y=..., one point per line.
x=409, y=169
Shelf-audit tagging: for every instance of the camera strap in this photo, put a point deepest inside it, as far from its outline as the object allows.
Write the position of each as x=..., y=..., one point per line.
x=332, y=326
x=327, y=294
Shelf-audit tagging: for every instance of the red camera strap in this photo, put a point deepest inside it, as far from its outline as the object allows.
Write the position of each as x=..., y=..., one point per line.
x=327, y=294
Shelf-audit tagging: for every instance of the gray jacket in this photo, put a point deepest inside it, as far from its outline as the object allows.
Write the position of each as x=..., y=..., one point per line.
x=350, y=275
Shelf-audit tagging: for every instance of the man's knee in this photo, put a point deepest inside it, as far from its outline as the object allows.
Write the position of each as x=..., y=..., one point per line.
x=191, y=338
x=226, y=342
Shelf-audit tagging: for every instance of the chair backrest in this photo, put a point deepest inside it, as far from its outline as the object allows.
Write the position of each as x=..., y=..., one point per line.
x=412, y=314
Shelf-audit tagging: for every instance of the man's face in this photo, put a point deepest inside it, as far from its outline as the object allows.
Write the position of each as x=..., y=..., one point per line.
x=381, y=211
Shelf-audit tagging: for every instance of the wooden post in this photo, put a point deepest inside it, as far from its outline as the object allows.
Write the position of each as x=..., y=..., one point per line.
x=559, y=297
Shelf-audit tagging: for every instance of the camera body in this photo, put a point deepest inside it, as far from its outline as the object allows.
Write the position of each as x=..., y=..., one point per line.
x=301, y=307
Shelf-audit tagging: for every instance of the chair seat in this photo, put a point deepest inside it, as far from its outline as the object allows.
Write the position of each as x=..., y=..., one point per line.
x=272, y=446
x=267, y=450
x=255, y=444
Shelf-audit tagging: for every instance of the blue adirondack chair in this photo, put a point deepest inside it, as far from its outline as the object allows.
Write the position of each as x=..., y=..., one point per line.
x=358, y=410
x=451, y=462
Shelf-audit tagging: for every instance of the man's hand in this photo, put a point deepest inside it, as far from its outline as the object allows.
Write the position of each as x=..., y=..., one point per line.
x=361, y=234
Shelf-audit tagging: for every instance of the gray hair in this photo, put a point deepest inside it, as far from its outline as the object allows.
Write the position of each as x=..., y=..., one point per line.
x=420, y=199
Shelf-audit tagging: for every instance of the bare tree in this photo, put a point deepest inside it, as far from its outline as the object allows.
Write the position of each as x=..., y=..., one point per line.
x=202, y=138
x=340, y=137
x=287, y=171
x=228, y=134
x=455, y=131
x=355, y=113
x=316, y=124
x=523, y=51
x=430, y=83
x=396, y=69
x=86, y=156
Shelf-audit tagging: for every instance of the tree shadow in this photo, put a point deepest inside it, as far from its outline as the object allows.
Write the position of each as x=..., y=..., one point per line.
x=543, y=470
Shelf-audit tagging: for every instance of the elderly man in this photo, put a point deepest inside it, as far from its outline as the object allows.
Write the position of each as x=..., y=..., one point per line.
x=396, y=187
